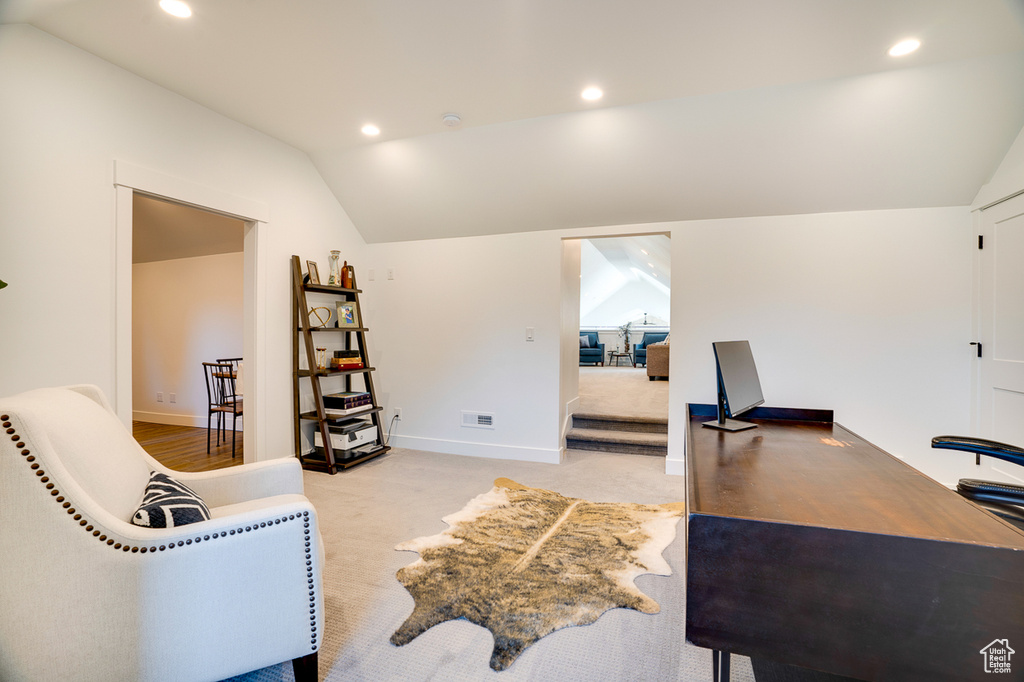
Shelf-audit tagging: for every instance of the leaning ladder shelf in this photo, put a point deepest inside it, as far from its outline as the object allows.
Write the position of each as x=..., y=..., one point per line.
x=329, y=458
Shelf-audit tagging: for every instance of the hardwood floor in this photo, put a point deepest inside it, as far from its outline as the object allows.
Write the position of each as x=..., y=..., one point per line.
x=184, y=448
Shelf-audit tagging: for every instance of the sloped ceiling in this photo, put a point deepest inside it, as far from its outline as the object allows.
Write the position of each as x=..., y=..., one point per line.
x=637, y=267
x=712, y=109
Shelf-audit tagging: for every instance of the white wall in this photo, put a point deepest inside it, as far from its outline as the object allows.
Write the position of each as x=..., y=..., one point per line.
x=184, y=312
x=66, y=117
x=449, y=334
x=866, y=313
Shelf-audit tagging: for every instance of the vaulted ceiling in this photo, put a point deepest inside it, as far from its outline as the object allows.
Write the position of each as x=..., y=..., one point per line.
x=712, y=108
x=625, y=279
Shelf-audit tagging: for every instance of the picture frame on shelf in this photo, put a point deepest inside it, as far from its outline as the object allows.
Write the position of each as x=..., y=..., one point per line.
x=348, y=314
x=314, y=273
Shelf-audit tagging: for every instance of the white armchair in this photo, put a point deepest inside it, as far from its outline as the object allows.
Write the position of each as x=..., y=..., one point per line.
x=86, y=595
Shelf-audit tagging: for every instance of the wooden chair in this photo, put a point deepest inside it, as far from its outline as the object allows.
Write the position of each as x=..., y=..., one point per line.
x=223, y=400
x=234, y=362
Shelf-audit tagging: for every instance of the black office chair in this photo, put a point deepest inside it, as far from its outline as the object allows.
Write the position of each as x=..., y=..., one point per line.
x=1003, y=499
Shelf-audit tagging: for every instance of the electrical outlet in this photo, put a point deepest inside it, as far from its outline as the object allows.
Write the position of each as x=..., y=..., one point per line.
x=391, y=273
x=173, y=397
x=370, y=274
x=398, y=413
x=159, y=396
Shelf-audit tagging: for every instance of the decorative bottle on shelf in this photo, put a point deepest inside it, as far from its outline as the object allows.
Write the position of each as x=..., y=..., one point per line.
x=335, y=278
x=346, y=276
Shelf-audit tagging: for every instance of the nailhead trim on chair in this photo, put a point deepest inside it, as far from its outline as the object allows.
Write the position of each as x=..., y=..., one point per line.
x=304, y=517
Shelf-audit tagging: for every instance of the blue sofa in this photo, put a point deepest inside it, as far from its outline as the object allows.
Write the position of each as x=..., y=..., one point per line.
x=640, y=349
x=593, y=352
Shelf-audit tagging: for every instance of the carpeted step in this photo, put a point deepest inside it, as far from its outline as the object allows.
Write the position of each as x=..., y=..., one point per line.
x=608, y=422
x=628, y=442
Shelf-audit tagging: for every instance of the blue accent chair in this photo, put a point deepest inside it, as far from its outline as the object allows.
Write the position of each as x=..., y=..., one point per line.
x=594, y=354
x=640, y=349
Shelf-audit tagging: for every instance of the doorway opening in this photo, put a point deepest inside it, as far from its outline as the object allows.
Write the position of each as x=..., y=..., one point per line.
x=625, y=302
x=187, y=308
x=616, y=298
x=130, y=180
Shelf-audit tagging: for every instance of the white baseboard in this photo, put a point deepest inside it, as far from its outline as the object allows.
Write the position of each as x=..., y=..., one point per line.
x=675, y=467
x=179, y=419
x=490, y=450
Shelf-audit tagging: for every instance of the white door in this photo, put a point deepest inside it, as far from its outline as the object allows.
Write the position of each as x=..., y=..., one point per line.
x=1001, y=321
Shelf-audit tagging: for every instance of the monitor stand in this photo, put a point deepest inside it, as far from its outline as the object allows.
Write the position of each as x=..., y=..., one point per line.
x=723, y=424
x=729, y=425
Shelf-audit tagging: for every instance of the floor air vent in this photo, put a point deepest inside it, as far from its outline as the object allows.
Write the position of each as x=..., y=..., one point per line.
x=478, y=420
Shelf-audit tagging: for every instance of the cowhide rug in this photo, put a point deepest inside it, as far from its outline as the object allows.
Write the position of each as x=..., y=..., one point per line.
x=524, y=562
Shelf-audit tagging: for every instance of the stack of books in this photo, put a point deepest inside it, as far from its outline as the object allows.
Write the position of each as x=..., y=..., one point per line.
x=342, y=404
x=346, y=359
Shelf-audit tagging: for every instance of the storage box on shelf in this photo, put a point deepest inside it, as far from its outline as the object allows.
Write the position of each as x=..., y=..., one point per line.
x=344, y=427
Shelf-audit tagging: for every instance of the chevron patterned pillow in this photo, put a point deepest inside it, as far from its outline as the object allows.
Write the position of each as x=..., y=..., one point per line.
x=168, y=503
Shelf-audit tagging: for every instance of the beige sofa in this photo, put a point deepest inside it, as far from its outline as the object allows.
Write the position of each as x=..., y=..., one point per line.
x=657, y=360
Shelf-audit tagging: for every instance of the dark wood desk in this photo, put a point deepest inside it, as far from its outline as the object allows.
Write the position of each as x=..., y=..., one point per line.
x=809, y=546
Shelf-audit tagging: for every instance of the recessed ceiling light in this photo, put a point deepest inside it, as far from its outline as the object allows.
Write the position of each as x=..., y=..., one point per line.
x=176, y=8
x=904, y=47
x=592, y=93
x=370, y=129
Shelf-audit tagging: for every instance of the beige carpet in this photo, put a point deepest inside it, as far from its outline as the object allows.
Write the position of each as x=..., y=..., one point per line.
x=622, y=391
x=365, y=511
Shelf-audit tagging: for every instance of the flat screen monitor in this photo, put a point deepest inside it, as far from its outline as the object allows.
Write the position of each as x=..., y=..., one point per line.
x=739, y=389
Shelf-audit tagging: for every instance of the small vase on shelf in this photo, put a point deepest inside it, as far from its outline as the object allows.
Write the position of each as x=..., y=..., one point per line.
x=335, y=278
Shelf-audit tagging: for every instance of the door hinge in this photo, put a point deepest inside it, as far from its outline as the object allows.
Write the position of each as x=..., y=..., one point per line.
x=978, y=344
x=981, y=241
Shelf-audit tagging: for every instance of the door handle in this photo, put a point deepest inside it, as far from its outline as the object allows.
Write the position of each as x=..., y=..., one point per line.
x=978, y=344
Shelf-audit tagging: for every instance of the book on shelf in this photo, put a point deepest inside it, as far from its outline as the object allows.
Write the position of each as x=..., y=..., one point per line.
x=340, y=413
x=347, y=399
x=347, y=359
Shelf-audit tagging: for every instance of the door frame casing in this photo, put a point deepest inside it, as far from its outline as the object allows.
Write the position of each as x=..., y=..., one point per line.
x=129, y=179
x=982, y=416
